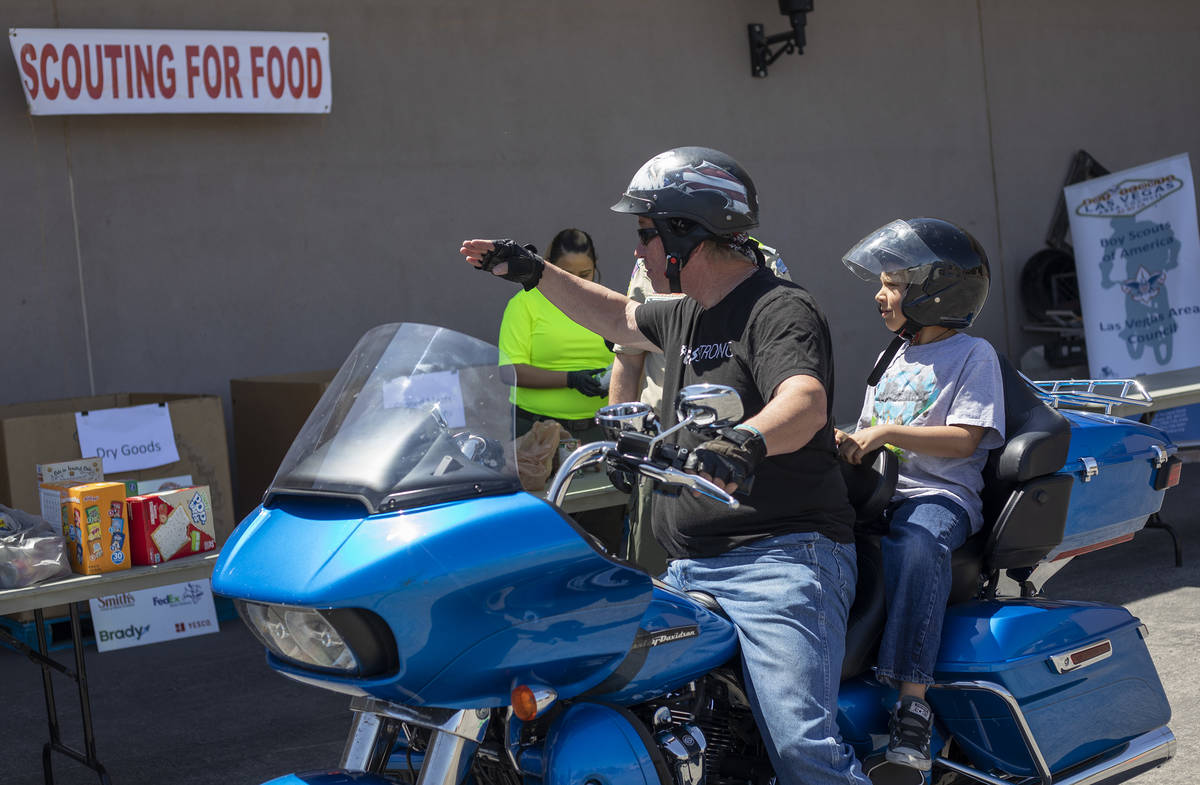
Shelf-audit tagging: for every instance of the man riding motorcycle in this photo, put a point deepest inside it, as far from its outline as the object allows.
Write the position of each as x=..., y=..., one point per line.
x=782, y=565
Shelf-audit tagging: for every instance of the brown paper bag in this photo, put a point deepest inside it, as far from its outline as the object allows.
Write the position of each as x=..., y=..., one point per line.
x=535, y=453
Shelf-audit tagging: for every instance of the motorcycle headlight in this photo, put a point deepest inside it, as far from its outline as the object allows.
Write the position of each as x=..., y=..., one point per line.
x=346, y=640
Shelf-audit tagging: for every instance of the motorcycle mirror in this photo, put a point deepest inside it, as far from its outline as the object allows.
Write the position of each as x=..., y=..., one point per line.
x=618, y=417
x=709, y=405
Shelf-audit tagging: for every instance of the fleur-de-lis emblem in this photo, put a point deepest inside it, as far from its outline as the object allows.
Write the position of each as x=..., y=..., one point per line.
x=1145, y=286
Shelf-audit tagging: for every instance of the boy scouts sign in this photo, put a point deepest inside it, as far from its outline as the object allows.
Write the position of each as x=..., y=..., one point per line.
x=169, y=71
x=1137, y=258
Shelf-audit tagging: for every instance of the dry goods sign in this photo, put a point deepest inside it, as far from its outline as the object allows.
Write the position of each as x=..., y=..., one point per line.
x=171, y=71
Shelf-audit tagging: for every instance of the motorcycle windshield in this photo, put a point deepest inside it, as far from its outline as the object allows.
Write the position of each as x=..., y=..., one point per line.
x=416, y=415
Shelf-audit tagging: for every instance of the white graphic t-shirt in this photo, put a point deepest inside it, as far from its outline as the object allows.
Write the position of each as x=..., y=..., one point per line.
x=955, y=381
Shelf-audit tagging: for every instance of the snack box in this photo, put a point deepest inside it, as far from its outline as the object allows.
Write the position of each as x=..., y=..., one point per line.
x=94, y=525
x=171, y=524
x=78, y=471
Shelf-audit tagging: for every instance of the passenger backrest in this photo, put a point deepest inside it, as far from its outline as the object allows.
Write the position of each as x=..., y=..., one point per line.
x=1024, y=502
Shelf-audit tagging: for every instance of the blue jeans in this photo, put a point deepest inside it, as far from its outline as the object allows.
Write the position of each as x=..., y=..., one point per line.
x=917, y=577
x=788, y=596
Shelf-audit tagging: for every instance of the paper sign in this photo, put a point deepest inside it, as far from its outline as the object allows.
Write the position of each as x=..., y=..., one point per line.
x=136, y=618
x=66, y=71
x=1137, y=260
x=425, y=391
x=128, y=438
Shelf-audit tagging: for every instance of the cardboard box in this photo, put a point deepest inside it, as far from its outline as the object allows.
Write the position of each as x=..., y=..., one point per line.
x=43, y=432
x=268, y=412
x=170, y=524
x=94, y=519
x=53, y=502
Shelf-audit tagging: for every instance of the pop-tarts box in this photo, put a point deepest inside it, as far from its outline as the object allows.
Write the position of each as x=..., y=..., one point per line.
x=171, y=524
x=94, y=524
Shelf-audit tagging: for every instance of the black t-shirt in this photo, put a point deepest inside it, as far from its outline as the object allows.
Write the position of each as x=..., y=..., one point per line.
x=764, y=331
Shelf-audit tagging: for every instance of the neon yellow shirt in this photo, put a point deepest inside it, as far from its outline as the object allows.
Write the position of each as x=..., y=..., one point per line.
x=534, y=332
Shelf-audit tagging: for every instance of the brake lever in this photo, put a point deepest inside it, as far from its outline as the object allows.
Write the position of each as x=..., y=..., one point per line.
x=691, y=481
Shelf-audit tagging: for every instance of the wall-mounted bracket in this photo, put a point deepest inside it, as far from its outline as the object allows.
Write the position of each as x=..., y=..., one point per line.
x=761, y=52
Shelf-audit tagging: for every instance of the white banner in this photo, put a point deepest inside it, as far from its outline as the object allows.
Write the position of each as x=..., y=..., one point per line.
x=135, y=618
x=1137, y=259
x=128, y=438
x=170, y=71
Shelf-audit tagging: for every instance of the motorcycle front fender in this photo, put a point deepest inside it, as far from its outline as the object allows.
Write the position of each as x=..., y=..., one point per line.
x=329, y=777
x=594, y=742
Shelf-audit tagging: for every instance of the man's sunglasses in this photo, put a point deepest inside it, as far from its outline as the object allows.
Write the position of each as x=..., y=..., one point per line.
x=646, y=234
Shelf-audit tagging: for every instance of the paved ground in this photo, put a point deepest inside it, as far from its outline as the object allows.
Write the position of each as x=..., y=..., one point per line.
x=207, y=709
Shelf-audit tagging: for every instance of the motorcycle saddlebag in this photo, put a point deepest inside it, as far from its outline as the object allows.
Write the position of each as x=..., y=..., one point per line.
x=1080, y=672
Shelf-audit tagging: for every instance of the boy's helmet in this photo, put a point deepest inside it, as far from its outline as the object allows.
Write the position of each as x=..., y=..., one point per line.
x=691, y=194
x=944, y=267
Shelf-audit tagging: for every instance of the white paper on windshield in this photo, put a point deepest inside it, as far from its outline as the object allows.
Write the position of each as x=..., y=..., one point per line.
x=128, y=438
x=426, y=391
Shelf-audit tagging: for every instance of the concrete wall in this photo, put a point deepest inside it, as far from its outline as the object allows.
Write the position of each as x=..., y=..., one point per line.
x=172, y=253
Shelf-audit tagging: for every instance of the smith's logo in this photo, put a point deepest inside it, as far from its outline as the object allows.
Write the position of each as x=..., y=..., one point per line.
x=116, y=601
x=647, y=640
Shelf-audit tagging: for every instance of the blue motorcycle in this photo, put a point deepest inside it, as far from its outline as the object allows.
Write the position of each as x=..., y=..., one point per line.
x=482, y=636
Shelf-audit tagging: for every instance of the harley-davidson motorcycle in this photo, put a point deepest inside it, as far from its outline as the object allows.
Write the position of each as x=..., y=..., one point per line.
x=483, y=637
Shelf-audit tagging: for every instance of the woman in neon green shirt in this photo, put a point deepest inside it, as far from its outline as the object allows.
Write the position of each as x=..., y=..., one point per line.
x=560, y=366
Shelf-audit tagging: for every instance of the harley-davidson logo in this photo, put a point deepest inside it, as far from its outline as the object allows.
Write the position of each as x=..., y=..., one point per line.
x=647, y=640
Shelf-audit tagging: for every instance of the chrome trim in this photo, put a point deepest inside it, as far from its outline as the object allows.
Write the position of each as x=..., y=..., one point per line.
x=1160, y=456
x=1014, y=708
x=1157, y=745
x=360, y=744
x=467, y=724
x=1065, y=663
x=1082, y=393
x=588, y=453
x=1090, y=468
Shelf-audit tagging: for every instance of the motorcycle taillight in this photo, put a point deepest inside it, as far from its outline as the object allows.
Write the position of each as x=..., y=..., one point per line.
x=1167, y=475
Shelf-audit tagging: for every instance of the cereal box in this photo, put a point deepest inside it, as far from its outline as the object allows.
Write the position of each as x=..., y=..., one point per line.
x=94, y=524
x=171, y=524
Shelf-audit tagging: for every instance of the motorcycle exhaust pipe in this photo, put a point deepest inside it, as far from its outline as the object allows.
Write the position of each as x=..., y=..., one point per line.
x=1134, y=757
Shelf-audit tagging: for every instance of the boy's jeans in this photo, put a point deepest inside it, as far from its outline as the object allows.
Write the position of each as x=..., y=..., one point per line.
x=789, y=597
x=916, y=568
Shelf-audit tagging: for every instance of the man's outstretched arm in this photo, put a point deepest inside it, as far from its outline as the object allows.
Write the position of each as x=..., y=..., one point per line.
x=597, y=308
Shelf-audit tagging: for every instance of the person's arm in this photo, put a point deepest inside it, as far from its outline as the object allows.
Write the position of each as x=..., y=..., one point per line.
x=539, y=378
x=626, y=380
x=796, y=411
x=939, y=441
x=596, y=307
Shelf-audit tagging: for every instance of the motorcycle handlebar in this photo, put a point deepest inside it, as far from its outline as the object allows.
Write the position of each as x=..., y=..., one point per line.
x=598, y=451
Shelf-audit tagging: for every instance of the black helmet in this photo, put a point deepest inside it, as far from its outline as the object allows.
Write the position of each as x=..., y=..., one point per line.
x=945, y=268
x=691, y=194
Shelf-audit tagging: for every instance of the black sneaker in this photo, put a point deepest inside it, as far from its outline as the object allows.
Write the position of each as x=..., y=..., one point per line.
x=910, y=727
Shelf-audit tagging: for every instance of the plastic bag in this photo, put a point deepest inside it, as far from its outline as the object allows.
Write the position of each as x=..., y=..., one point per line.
x=31, y=550
x=535, y=453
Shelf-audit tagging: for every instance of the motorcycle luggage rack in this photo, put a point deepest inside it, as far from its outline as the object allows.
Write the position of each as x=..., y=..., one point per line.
x=1091, y=393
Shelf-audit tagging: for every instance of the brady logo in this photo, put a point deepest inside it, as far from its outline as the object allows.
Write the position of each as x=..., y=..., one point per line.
x=131, y=631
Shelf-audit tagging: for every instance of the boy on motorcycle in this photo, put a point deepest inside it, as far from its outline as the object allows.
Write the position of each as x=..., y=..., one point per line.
x=782, y=565
x=936, y=399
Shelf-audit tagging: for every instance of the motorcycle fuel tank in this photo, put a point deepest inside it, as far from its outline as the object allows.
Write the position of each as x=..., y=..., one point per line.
x=479, y=595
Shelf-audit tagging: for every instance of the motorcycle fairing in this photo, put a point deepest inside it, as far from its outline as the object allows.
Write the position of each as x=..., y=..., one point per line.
x=330, y=777
x=506, y=578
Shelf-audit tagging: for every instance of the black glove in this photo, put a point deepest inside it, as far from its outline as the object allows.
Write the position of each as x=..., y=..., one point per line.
x=732, y=457
x=524, y=265
x=587, y=382
x=622, y=479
